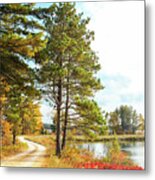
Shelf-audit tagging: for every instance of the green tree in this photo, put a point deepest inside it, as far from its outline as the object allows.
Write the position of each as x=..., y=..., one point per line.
x=141, y=123
x=20, y=40
x=114, y=122
x=128, y=118
x=68, y=64
x=21, y=111
x=12, y=112
x=124, y=119
x=31, y=117
x=88, y=118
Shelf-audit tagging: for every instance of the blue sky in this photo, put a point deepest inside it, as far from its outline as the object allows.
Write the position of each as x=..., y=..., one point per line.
x=119, y=43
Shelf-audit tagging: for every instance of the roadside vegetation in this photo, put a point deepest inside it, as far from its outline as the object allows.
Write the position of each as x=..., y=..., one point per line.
x=7, y=147
x=10, y=150
x=73, y=157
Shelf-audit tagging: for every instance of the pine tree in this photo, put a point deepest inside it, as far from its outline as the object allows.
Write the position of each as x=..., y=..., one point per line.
x=67, y=64
x=21, y=38
x=89, y=118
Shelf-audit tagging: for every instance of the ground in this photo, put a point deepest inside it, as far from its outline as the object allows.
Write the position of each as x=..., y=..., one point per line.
x=33, y=157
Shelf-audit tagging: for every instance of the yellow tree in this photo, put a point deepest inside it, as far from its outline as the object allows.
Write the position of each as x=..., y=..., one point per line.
x=31, y=122
x=5, y=126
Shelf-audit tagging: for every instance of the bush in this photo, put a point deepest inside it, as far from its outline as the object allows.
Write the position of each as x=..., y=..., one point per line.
x=6, y=132
x=99, y=165
x=74, y=156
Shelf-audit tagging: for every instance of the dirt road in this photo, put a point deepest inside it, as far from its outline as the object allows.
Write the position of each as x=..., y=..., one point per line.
x=33, y=157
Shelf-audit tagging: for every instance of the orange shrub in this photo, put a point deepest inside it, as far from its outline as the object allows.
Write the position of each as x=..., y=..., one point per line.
x=5, y=132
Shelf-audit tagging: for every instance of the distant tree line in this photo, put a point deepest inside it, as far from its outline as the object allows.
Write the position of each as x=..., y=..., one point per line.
x=125, y=120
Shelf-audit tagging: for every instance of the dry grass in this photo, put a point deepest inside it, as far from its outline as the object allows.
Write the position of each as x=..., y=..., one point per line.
x=10, y=150
x=71, y=157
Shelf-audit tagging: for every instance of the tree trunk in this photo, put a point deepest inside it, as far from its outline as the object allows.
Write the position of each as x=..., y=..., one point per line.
x=66, y=108
x=23, y=129
x=66, y=115
x=58, y=148
x=14, y=137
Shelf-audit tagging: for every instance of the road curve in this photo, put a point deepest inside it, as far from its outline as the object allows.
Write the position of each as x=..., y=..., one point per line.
x=33, y=157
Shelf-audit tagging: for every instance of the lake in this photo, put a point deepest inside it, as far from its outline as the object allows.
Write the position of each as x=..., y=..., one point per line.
x=134, y=149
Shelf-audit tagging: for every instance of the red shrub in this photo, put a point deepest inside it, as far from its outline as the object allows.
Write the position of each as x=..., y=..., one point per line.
x=99, y=165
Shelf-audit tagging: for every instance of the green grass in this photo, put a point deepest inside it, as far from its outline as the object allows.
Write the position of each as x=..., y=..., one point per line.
x=126, y=137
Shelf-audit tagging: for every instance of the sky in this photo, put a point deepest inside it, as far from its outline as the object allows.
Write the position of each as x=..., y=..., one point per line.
x=119, y=44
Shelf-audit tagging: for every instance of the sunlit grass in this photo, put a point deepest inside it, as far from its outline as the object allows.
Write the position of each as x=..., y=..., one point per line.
x=9, y=150
x=122, y=137
x=72, y=157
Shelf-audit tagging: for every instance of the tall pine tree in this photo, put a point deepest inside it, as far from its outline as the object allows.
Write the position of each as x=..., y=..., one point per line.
x=67, y=65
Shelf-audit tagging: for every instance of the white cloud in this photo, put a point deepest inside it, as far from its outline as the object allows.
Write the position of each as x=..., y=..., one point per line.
x=119, y=41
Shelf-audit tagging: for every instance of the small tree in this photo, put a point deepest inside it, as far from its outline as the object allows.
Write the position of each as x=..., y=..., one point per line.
x=5, y=132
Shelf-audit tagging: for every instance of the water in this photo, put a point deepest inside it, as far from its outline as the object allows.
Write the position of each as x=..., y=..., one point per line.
x=134, y=149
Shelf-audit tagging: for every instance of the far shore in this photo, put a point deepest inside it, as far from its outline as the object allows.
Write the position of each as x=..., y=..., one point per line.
x=122, y=137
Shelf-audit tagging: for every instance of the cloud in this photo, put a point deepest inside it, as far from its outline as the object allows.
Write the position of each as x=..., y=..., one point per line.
x=119, y=43
x=118, y=91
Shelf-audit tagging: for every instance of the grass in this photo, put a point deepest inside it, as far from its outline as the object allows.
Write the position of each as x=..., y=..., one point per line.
x=9, y=150
x=73, y=157
x=124, y=137
x=70, y=157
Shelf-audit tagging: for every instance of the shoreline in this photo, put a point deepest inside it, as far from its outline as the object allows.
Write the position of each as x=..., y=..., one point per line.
x=126, y=137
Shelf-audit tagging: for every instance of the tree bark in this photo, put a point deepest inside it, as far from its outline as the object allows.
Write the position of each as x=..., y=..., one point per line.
x=23, y=129
x=59, y=103
x=66, y=115
x=66, y=107
x=14, y=137
x=58, y=148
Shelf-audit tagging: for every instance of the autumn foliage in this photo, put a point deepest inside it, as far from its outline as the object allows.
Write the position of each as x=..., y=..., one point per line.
x=6, y=132
x=99, y=165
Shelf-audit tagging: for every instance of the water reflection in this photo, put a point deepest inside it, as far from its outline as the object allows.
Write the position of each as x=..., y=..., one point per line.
x=134, y=149
x=99, y=149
